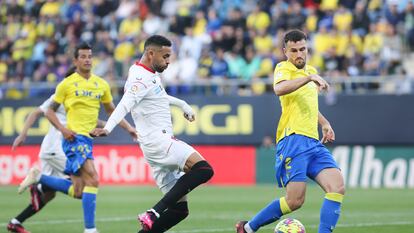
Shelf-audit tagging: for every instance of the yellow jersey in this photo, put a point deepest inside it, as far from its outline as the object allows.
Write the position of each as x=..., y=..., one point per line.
x=81, y=98
x=299, y=108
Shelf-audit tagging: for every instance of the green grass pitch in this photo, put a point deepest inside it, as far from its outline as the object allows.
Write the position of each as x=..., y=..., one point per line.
x=215, y=209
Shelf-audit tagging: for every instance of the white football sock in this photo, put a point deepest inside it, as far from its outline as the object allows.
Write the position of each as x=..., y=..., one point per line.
x=247, y=228
x=15, y=221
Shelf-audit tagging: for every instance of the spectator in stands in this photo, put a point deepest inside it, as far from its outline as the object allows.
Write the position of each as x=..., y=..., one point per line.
x=391, y=52
x=293, y=17
x=409, y=24
x=219, y=68
x=12, y=28
x=72, y=7
x=373, y=41
x=15, y=9
x=252, y=64
x=190, y=43
x=342, y=19
x=3, y=70
x=130, y=26
x=360, y=19
x=123, y=53
x=51, y=8
x=344, y=25
x=262, y=41
x=203, y=73
x=200, y=23
x=170, y=77
x=236, y=19
x=187, y=72
x=241, y=41
x=392, y=13
x=258, y=19
x=153, y=24
x=311, y=20
x=213, y=22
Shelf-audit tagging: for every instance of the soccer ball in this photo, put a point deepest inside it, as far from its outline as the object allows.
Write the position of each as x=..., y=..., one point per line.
x=289, y=225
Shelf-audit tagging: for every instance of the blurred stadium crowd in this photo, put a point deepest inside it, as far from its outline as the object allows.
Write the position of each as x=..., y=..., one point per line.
x=215, y=42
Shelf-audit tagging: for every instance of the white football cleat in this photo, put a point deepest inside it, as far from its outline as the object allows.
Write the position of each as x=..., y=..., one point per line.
x=31, y=178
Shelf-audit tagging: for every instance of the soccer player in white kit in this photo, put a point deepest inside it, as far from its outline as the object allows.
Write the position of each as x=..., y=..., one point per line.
x=177, y=167
x=52, y=159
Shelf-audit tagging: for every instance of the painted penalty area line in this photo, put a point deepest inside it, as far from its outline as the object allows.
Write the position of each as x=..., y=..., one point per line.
x=63, y=221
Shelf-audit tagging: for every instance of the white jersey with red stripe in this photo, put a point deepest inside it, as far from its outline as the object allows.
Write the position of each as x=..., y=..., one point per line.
x=149, y=104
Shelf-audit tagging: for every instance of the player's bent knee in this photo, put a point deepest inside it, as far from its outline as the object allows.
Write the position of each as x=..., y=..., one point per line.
x=92, y=181
x=95, y=182
x=341, y=189
x=205, y=169
x=336, y=188
x=77, y=192
x=295, y=203
x=78, y=195
x=49, y=195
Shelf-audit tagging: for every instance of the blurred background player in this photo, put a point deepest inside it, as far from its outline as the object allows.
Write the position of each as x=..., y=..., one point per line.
x=81, y=93
x=177, y=167
x=299, y=153
x=52, y=159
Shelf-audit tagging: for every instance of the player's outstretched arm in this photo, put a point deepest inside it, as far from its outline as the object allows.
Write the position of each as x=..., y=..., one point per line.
x=110, y=108
x=328, y=134
x=33, y=116
x=320, y=82
x=116, y=115
x=285, y=87
x=99, y=132
x=188, y=111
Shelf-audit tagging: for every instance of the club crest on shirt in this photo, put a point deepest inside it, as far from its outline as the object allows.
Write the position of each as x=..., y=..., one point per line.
x=158, y=89
x=278, y=75
x=134, y=88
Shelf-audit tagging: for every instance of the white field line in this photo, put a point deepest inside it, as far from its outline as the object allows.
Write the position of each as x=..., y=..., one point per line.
x=123, y=219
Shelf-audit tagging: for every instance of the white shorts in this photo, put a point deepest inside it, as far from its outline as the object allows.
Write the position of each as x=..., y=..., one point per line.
x=167, y=157
x=53, y=165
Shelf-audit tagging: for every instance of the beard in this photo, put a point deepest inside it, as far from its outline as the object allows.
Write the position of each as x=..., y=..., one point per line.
x=300, y=63
x=159, y=68
x=85, y=69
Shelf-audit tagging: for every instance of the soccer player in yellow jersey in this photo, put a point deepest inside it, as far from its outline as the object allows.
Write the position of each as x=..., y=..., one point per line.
x=81, y=94
x=299, y=153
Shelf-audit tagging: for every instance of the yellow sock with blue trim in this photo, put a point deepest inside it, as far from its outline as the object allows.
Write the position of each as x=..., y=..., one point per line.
x=270, y=213
x=330, y=211
x=89, y=206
